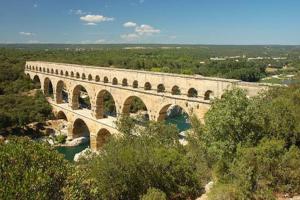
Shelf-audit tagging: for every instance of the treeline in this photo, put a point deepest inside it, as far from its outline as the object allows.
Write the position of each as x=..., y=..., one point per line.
x=249, y=147
x=190, y=60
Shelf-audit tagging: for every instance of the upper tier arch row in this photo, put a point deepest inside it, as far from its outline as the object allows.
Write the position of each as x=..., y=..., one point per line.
x=174, y=84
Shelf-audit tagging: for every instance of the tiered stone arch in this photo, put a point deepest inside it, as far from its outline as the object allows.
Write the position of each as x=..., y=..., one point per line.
x=37, y=81
x=99, y=109
x=61, y=115
x=48, y=87
x=100, y=139
x=80, y=128
x=128, y=103
x=76, y=94
x=162, y=112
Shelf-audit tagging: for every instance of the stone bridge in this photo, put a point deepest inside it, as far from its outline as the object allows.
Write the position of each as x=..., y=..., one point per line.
x=158, y=91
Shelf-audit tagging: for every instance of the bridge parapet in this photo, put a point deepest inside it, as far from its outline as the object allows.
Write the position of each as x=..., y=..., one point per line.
x=143, y=80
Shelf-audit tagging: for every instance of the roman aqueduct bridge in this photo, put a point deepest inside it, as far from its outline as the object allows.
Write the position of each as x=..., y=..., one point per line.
x=158, y=91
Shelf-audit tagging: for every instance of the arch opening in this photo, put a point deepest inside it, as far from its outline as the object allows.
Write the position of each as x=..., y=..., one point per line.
x=147, y=86
x=56, y=71
x=175, y=114
x=66, y=73
x=80, y=129
x=72, y=74
x=124, y=82
x=61, y=115
x=176, y=90
x=161, y=88
x=61, y=72
x=77, y=75
x=105, y=105
x=48, y=88
x=208, y=95
x=135, y=84
x=37, y=82
x=52, y=71
x=80, y=98
x=105, y=79
x=97, y=79
x=83, y=76
x=103, y=136
x=90, y=77
x=136, y=108
x=62, y=95
x=115, y=81
x=192, y=92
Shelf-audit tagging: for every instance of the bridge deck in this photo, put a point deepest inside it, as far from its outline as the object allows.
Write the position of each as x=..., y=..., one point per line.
x=85, y=113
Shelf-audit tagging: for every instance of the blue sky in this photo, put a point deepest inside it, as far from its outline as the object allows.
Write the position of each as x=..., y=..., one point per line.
x=150, y=21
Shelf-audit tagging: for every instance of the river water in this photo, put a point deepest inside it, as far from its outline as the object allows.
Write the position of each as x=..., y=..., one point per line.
x=181, y=122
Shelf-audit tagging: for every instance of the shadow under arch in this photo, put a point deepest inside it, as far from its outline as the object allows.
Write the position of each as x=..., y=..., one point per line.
x=80, y=129
x=136, y=108
x=61, y=115
x=102, y=137
x=175, y=114
x=105, y=105
x=48, y=88
x=208, y=95
x=62, y=95
x=80, y=98
x=37, y=82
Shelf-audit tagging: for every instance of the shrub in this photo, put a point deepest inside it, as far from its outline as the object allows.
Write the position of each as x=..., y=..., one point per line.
x=31, y=170
x=61, y=138
x=127, y=167
x=154, y=194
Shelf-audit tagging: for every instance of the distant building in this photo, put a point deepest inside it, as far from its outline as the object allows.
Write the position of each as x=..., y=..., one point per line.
x=217, y=59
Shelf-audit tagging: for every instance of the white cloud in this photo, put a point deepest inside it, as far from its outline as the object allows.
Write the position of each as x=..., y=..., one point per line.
x=95, y=19
x=130, y=37
x=77, y=12
x=26, y=33
x=35, y=5
x=140, y=31
x=129, y=24
x=91, y=24
x=142, y=1
x=145, y=29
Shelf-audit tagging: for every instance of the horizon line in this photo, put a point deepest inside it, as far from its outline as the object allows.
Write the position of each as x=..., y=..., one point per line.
x=181, y=44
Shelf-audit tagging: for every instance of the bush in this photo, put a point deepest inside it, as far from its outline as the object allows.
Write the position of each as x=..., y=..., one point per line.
x=127, y=167
x=260, y=172
x=154, y=194
x=31, y=170
x=61, y=138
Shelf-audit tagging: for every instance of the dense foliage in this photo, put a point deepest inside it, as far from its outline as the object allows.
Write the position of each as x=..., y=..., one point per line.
x=30, y=170
x=18, y=106
x=127, y=167
x=19, y=110
x=252, y=144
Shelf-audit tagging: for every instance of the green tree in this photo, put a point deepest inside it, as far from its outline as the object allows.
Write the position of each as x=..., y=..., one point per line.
x=31, y=170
